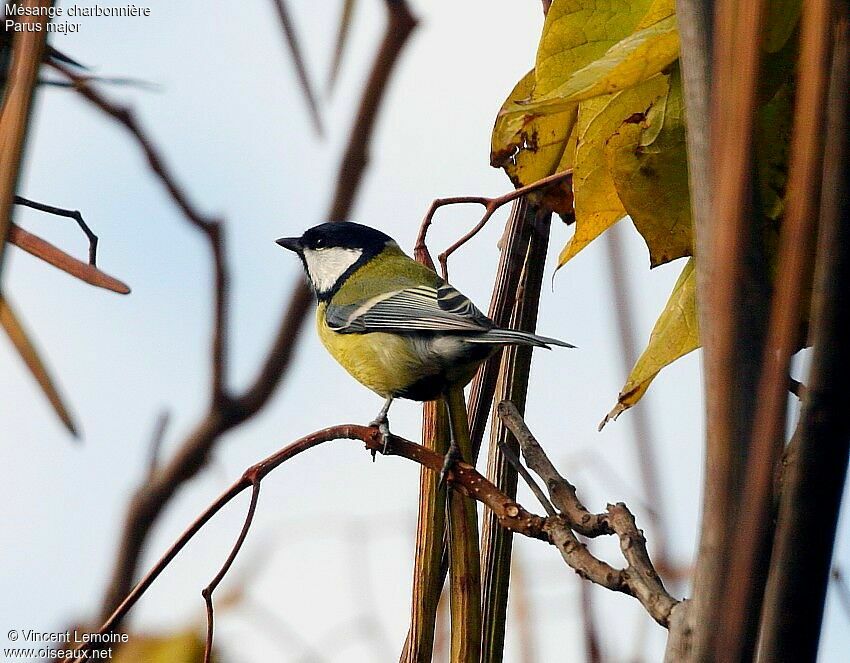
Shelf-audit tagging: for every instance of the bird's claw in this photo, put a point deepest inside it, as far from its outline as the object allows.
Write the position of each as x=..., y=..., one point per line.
x=383, y=426
x=452, y=458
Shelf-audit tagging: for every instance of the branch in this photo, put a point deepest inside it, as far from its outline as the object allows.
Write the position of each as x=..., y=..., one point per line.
x=463, y=478
x=291, y=38
x=639, y=578
x=70, y=214
x=490, y=207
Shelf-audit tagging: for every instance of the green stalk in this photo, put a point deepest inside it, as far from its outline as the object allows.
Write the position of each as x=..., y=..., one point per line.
x=427, y=582
x=430, y=527
x=464, y=563
x=513, y=386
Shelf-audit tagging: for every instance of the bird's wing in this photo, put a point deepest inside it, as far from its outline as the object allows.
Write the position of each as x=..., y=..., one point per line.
x=418, y=308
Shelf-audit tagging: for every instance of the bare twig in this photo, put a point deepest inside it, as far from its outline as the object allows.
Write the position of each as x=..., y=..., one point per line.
x=227, y=411
x=210, y=227
x=70, y=214
x=514, y=460
x=340, y=42
x=207, y=592
x=639, y=578
x=297, y=54
x=561, y=491
x=490, y=206
x=87, y=272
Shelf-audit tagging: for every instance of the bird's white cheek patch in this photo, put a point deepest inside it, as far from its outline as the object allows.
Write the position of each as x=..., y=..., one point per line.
x=325, y=266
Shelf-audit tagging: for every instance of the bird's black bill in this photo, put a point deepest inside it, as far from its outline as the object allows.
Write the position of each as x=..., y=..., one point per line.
x=291, y=243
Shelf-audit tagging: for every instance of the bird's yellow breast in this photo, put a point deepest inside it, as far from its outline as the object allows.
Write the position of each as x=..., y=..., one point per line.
x=383, y=362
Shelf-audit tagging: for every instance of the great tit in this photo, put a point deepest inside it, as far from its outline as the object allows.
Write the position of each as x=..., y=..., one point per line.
x=393, y=323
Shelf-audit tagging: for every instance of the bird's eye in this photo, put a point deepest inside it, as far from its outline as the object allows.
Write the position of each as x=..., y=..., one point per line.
x=320, y=243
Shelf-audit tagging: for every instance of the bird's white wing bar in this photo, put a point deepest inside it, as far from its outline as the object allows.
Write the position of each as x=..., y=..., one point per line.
x=416, y=309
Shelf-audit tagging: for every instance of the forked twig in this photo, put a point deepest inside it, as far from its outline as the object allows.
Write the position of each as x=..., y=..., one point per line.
x=639, y=578
x=67, y=213
x=490, y=207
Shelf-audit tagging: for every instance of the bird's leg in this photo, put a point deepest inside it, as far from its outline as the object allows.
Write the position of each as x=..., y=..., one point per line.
x=459, y=429
x=452, y=457
x=383, y=424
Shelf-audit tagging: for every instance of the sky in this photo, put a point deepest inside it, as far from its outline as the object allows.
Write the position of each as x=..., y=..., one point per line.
x=327, y=565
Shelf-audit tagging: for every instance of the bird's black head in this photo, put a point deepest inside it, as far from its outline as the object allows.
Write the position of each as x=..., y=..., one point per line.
x=331, y=252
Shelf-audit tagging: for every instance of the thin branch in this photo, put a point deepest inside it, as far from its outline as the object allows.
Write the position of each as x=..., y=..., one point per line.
x=512, y=385
x=490, y=206
x=345, y=20
x=514, y=460
x=562, y=492
x=70, y=214
x=52, y=255
x=644, y=437
x=291, y=38
x=639, y=578
x=207, y=592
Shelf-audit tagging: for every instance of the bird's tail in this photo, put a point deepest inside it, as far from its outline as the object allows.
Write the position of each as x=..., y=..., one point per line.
x=516, y=337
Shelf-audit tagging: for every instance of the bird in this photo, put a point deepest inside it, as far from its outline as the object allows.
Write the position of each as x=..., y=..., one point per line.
x=394, y=324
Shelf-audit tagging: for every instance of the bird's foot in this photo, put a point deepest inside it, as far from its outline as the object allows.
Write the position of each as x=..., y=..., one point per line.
x=453, y=457
x=382, y=423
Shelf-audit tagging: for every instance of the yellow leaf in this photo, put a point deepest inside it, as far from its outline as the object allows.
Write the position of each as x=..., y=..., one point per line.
x=27, y=351
x=658, y=10
x=183, y=647
x=577, y=32
x=635, y=58
x=597, y=204
x=530, y=147
x=675, y=334
x=648, y=162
